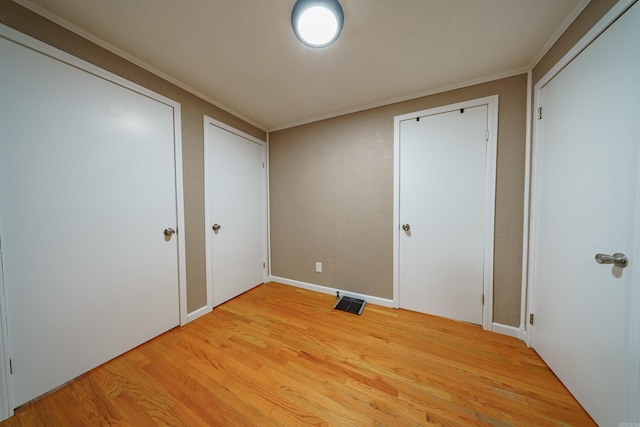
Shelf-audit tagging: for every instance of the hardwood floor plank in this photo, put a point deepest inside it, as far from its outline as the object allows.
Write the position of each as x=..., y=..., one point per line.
x=281, y=356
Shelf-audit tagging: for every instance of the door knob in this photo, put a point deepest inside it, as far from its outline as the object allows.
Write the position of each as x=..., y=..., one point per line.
x=617, y=259
x=406, y=227
x=216, y=227
x=168, y=232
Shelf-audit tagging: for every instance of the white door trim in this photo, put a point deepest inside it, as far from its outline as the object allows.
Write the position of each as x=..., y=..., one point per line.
x=490, y=194
x=526, y=219
x=634, y=345
x=208, y=204
x=7, y=401
x=268, y=211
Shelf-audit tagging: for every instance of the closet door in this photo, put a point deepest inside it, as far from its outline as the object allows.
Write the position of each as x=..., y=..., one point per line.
x=445, y=199
x=235, y=187
x=87, y=208
x=585, y=224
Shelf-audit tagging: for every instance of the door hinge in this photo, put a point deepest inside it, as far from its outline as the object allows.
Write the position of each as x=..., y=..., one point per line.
x=10, y=367
x=262, y=165
x=264, y=265
x=482, y=299
x=539, y=113
x=487, y=136
x=531, y=318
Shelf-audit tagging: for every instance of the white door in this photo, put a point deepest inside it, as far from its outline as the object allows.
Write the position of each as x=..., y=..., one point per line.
x=444, y=188
x=586, y=202
x=87, y=188
x=235, y=186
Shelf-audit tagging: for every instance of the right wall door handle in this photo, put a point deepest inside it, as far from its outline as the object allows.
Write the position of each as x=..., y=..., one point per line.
x=617, y=259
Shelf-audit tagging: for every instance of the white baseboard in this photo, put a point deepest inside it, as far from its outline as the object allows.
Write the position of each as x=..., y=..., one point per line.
x=197, y=313
x=511, y=331
x=499, y=328
x=331, y=291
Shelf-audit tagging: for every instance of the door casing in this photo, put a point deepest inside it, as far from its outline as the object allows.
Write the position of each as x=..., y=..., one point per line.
x=492, y=144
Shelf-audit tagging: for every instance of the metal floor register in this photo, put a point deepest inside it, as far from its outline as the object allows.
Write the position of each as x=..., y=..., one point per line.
x=351, y=305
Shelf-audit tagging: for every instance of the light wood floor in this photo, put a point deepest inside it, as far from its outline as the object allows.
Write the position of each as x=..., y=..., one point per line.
x=279, y=355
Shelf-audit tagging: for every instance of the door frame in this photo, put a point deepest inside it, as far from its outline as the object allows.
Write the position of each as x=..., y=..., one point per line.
x=634, y=344
x=6, y=385
x=208, y=203
x=490, y=195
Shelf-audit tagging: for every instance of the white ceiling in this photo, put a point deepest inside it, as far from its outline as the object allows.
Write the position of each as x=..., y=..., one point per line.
x=243, y=55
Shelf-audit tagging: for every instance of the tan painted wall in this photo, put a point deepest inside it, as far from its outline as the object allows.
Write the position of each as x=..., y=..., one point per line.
x=193, y=109
x=331, y=196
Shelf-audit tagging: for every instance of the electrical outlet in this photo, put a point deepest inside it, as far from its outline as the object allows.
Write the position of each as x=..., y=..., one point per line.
x=318, y=267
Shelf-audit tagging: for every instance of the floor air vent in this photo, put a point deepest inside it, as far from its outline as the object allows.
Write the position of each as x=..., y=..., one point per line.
x=352, y=305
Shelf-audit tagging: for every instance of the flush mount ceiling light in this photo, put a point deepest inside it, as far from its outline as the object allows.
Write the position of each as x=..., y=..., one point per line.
x=317, y=23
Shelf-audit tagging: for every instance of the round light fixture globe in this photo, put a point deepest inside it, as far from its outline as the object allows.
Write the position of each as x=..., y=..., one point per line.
x=317, y=23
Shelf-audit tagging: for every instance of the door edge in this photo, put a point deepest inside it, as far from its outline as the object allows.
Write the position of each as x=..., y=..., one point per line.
x=6, y=386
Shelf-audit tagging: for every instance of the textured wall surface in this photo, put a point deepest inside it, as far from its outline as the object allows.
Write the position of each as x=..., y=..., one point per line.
x=193, y=109
x=331, y=196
